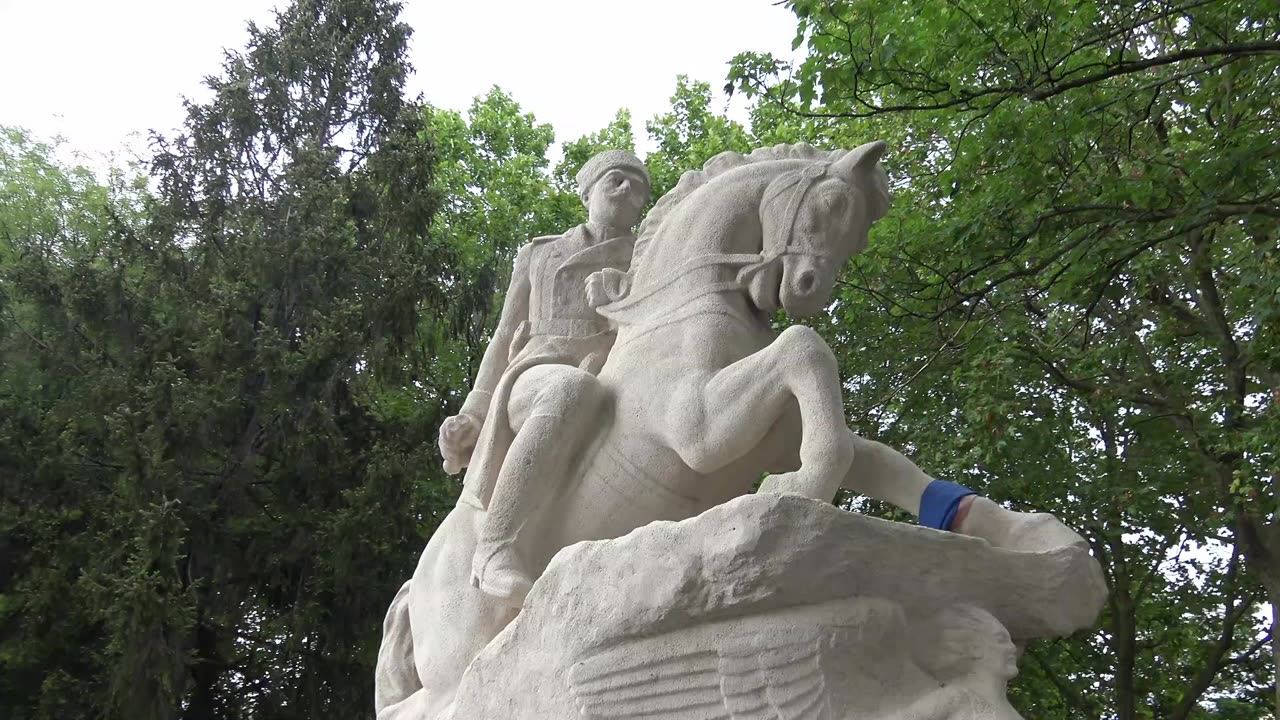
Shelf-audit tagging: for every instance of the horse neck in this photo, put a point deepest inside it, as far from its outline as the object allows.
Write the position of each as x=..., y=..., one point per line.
x=720, y=218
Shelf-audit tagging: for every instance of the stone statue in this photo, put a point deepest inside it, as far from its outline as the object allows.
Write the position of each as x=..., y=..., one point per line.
x=536, y=393
x=696, y=396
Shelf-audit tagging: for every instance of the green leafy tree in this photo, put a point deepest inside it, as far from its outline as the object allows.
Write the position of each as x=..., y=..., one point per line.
x=1073, y=306
x=54, y=224
x=689, y=135
x=218, y=419
x=617, y=135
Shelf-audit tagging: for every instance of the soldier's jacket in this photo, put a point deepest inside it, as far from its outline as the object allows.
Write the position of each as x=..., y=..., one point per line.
x=548, y=294
x=558, y=267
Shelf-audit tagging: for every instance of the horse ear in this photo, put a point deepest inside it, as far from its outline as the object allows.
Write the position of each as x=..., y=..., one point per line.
x=863, y=157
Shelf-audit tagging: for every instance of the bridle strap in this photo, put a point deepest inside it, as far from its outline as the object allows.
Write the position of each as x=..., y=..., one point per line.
x=800, y=182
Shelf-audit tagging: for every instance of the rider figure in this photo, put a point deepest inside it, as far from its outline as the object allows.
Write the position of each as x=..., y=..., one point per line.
x=536, y=396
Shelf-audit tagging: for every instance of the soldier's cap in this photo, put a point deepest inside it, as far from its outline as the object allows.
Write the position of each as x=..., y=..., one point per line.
x=596, y=167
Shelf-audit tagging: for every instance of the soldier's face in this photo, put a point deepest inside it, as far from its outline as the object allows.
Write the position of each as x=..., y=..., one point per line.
x=617, y=198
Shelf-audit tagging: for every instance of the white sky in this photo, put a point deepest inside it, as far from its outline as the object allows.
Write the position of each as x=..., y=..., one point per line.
x=98, y=71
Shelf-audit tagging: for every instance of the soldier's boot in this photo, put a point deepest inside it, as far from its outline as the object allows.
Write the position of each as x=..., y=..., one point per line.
x=498, y=570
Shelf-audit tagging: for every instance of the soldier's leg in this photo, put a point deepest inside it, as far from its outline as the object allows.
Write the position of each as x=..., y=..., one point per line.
x=553, y=409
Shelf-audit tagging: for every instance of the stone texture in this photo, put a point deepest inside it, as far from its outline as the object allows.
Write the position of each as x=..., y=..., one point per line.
x=766, y=596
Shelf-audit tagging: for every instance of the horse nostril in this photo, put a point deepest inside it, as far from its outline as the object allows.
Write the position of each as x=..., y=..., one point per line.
x=806, y=282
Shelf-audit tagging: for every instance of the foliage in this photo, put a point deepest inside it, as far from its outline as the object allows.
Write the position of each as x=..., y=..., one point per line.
x=219, y=403
x=689, y=135
x=215, y=475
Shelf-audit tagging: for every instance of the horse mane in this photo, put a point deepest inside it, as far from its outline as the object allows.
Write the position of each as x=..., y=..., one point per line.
x=691, y=180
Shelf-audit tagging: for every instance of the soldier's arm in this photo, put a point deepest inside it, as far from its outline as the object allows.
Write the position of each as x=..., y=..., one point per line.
x=515, y=310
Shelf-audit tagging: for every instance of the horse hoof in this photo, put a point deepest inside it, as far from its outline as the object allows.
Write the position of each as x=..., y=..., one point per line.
x=1041, y=532
x=1023, y=532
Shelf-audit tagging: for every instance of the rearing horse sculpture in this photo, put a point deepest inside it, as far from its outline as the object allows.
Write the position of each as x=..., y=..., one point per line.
x=703, y=396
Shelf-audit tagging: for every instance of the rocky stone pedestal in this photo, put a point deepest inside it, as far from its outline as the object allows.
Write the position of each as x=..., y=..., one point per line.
x=779, y=607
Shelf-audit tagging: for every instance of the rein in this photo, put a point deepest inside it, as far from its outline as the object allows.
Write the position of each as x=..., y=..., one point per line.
x=694, y=263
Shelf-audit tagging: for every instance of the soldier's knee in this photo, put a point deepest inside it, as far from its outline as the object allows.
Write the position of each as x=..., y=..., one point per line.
x=811, y=345
x=569, y=393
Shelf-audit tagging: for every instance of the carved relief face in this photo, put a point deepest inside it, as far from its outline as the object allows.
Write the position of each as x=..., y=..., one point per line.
x=966, y=640
x=1003, y=655
x=617, y=198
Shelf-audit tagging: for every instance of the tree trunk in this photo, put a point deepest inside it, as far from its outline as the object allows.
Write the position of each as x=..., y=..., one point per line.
x=1275, y=644
x=1125, y=643
x=203, y=701
x=1262, y=554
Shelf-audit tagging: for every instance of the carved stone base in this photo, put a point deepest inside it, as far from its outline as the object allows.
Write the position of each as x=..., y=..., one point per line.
x=779, y=607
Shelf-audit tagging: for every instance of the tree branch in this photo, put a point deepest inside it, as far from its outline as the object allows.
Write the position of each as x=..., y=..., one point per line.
x=1210, y=667
x=1249, y=48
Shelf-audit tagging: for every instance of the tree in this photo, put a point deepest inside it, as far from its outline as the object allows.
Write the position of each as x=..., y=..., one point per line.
x=689, y=135
x=617, y=135
x=53, y=223
x=1079, y=283
x=218, y=422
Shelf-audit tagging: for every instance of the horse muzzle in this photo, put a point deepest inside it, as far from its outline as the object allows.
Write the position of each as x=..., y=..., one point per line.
x=807, y=281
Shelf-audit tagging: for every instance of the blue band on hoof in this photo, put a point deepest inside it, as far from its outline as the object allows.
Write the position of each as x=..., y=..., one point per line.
x=940, y=502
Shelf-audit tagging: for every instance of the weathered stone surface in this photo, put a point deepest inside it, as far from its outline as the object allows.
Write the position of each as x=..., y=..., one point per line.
x=773, y=596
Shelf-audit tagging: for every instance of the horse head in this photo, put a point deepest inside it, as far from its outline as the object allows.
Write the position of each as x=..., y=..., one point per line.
x=813, y=219
x=810, y=210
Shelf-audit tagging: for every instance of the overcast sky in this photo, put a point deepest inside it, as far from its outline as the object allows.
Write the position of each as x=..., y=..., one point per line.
x=97, y=71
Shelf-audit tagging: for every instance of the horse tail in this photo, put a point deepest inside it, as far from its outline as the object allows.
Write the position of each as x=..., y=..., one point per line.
x=396, y=677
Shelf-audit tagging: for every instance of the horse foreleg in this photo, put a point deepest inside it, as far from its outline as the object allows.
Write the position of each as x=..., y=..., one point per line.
x=883, y=473
x=729, y=415
x=878, y=471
